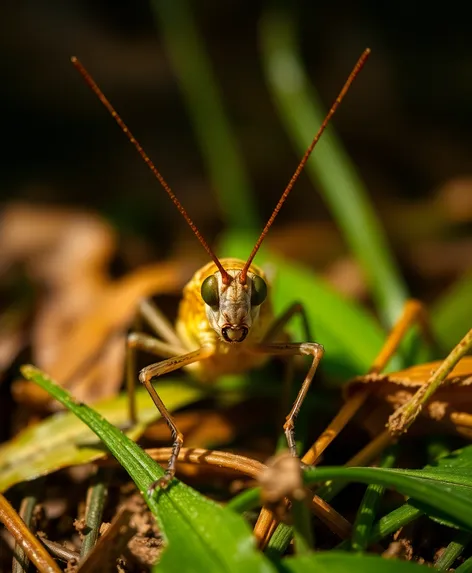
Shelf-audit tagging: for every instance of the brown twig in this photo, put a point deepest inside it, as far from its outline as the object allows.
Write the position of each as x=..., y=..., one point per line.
x=23, y=536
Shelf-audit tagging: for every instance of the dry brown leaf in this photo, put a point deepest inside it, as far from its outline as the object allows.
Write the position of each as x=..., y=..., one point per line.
x=78, y=333
x=40, y=235
x=104, y=323
x=451, y=405
x=209, y=428
x=455, y=199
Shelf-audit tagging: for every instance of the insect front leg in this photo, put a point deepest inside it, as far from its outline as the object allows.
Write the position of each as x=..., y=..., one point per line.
x=170, y=345
x=158, y=369
x=292, y=349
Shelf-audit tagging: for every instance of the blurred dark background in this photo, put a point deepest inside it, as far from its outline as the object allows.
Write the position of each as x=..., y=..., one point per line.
x=406, y=123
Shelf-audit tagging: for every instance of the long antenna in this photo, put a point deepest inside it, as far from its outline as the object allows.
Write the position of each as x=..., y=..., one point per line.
x=124, y=128
x=357, y=68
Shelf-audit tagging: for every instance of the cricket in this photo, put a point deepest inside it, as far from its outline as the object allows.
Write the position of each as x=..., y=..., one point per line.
x=226, y=323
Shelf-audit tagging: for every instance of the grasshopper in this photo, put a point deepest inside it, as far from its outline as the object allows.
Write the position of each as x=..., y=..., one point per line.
x=225, y=322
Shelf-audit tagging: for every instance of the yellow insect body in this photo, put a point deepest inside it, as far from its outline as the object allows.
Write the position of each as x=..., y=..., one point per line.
x=194, y=329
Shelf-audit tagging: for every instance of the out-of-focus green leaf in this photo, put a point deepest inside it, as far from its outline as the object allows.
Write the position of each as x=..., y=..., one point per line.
x=330, y=168
x=200, y=535
x=63, y=440
x=350, y=335
x=230, y=181
x=449, y=315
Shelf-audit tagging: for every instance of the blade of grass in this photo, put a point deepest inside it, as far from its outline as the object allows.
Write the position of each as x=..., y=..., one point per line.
x=96, y=498
x=393, y=521
x=215, y=538
x=452, y=551
x=280, y=540
x=113, y=542
x=185, y=46
x=448, y=315
x=302, y=533
x=369, y=505
x=340, y=562
x=449, y=492
x=466, y=567
x=246, y=500
x=20, y=560
x=329, y=168
x=61, y=440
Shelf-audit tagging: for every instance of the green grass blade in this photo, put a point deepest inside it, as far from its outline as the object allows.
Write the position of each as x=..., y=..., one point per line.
x=340, y=562
x=62, y=440
x=466, y=567
x=449, y=315
x=455, y=548
x=329, y=168
x=448, y=493
x=302, y=532
x=393, y=521
x=362, y=527
x=246, y=500
x=201, y=535
x=186, y=50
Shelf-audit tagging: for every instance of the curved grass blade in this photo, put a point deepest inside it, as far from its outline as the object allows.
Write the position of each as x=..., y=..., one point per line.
x=445, y=491
x=339, y=562
x=230, y=181
x=448, y=315
x=201, y=535
x=62, y=440
x=329, y=168
x=460, y=460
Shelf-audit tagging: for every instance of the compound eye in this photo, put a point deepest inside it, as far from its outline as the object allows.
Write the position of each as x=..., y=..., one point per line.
x=210, y=291
x=259, y=290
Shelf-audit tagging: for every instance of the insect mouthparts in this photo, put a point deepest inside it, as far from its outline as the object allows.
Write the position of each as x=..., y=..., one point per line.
x=234, y=333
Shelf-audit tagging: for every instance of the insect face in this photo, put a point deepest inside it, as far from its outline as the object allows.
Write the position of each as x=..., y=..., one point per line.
x=233, y=308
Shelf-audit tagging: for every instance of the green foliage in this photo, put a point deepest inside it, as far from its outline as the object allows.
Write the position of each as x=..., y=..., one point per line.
x=214, y=538
x=62, y=440
x=217, y=539
x=448, y=491
x=200, y=534
x=330, y=168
